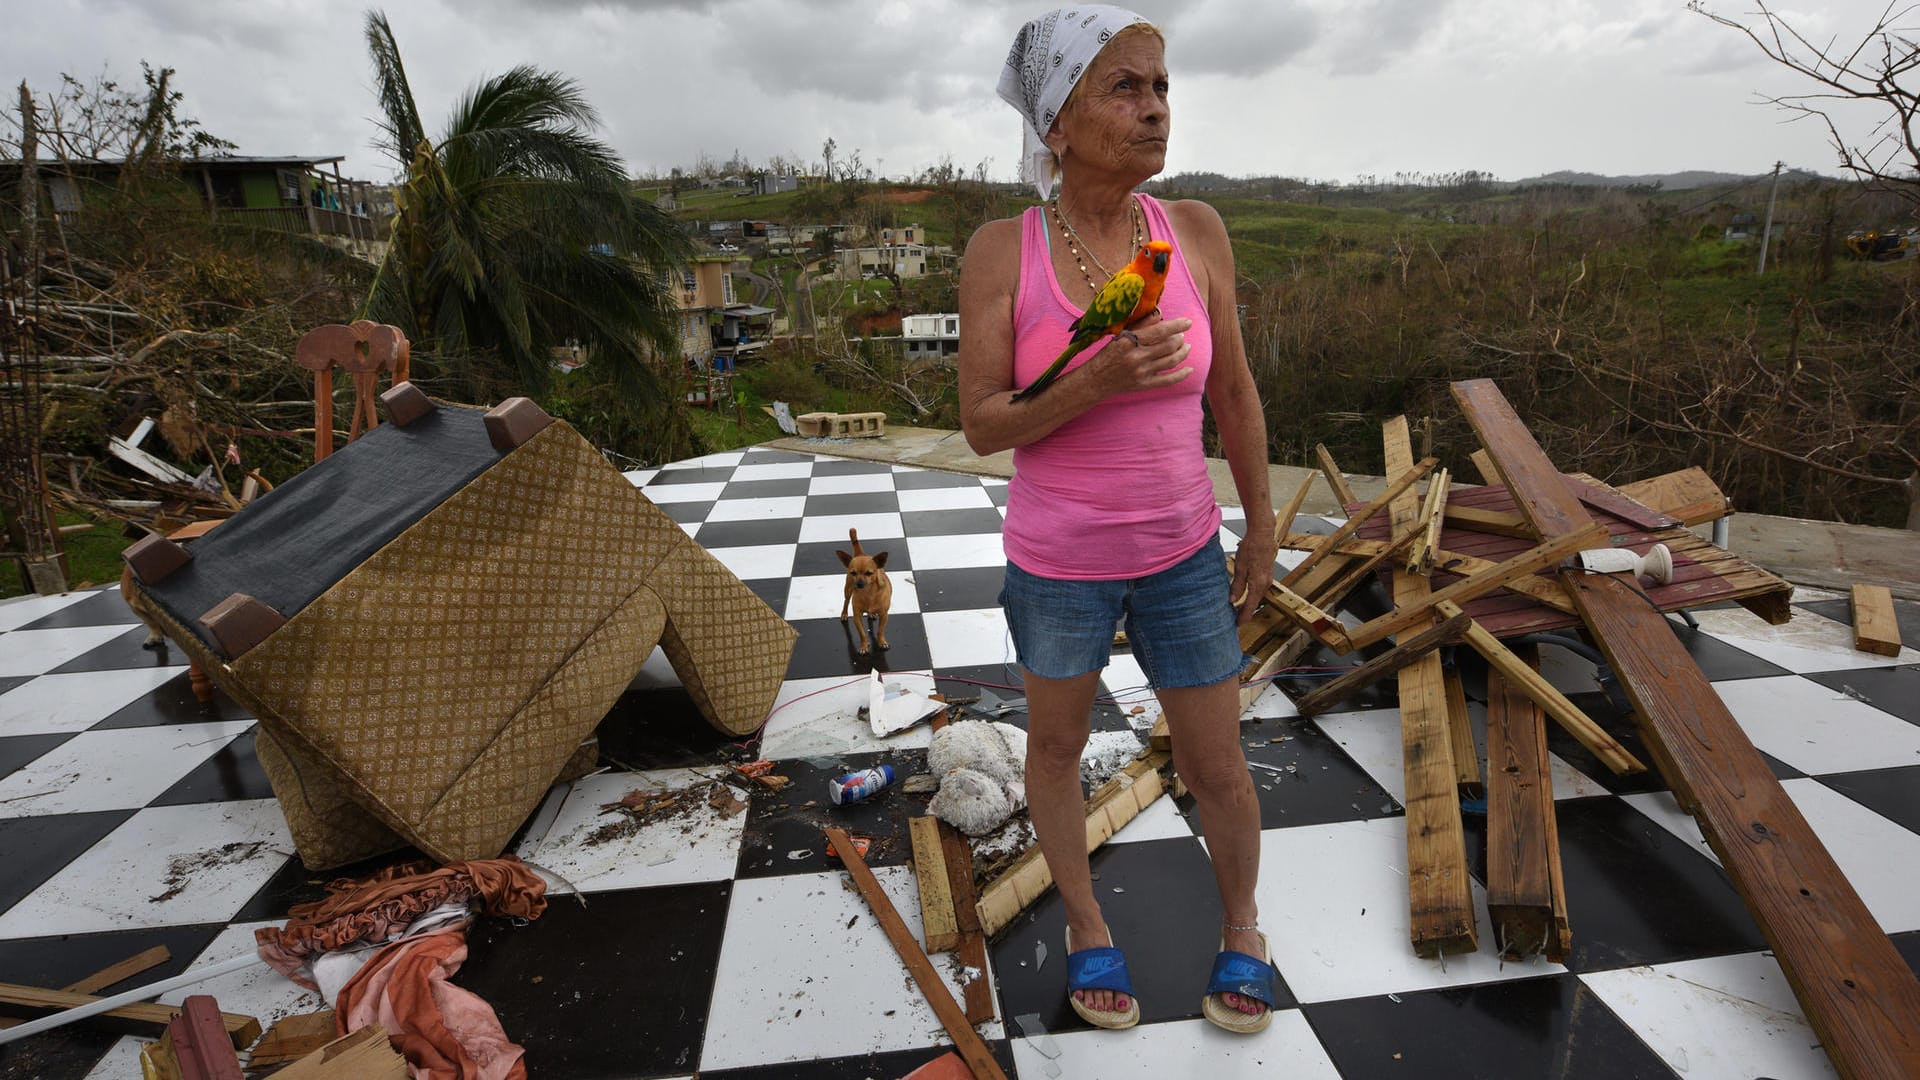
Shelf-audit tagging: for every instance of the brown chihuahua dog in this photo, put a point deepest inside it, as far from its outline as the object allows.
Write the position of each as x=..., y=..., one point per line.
x=869, y=593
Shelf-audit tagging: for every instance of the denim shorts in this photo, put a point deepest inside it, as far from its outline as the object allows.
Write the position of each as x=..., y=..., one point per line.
x=1178, y=621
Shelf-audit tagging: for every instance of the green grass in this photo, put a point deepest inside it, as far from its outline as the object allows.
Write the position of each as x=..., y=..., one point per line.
x=93, y=557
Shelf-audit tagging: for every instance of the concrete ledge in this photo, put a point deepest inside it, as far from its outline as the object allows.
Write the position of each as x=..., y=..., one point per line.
x=1826, y=554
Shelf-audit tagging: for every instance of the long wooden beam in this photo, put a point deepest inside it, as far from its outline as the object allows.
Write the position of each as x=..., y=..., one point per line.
x=1406, y=615
x=1439, y=891
x=1525, y=899
x=1335, y=479
x=1387, y=663
x=1402, y=482
x=1858, y=993
x=1542, y=590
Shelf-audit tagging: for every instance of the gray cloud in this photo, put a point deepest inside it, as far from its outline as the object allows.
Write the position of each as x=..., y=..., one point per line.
x=1220, y=37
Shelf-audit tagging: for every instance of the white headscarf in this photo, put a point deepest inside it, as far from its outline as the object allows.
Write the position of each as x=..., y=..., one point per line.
x=1049, y=55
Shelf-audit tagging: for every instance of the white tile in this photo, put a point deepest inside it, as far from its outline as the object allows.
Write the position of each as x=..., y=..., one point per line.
x=121, y=1061
x=833, y=528
x=1804, y=594
x=1665, y=811
x=1569, y=782
x=1126, y=683
x=780, y=508
x=112, y=770
x=820, y=718
x=34, y=652
x=1879, y=857
x=1732, y=1016
x=821, y=596
x=661, y=494
x=1569, y=672
x=1161, y=820
x=588, y=849
x=1817, y=729
x=969, y=637
x=75, y=701
x=1333, y=901
x=778, y=470
x=957, y=498
x=1802, y=644
x=21, y=610
x=640, y=477
x=850, y=485
x=691, y=528
x=1272, y=704
x=1176, y=1048
x=805, y=972
x=1234, y=513
x=757, y=561
x=166, y=866
x=655, y=672
x=956, y=552
x=257, y=991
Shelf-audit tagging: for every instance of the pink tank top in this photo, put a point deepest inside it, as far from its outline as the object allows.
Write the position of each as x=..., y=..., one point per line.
x=1120, y=491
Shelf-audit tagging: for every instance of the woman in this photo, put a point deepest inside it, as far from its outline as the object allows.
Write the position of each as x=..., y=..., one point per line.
x=1111, y=512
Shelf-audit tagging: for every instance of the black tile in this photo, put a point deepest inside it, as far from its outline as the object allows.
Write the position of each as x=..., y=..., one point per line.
x=1304, y=779
x=828, y=647
x=895, y=1063
x=853, y=502
x=1890, y=689
x=68, y=1053
x=783, y=828
x=1909, y=946
x=294, y=884
x=997, y=493
x=17, y=750
x=686, y=513
x=172, y=702
x=600, y=991
x=721, y=534
x=1322, y=665
x=966, y=589
x=1719, y=660
x=1620, y=725
x=672, y=474
x=67, y=958
x=1637, y=894
x=930, y=478
x=659, y=729
x=123, y=652
x=10, y=682
x=1905, y=612
x=105, y=608
x=772, y=590
x=827, y=466
x=1160, y=905
x=1553, y=1027
x=977, y=519
x=34, y=849
x=232, y=773
x=1003, y=681
x=764, y=489
x=814, y=559
x=1891, y=793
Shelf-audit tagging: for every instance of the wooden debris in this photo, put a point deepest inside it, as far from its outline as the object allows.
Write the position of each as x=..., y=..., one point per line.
x=1546, y=554
x=198, y=1042
x=938, y=923
x=977, y=992
x=1858, y=993
x=107, y=976
x=1427, y=538
x=1115, y=803
x=966, y=1041
x=367, y=1054
x=1539, y=589
x=1466, y=759
x=1689, y=496
x=1875, y=628
x=1439, y=891
x=1283, y=521
x=1497, y=522
x=1387, y=663
x=1484, y=465
x=1161, y=737
x=1525, y=898
x=1605, y=499
x=1403, y=481
x=1549, y=698
x=141, y=1019
x=1335, y=479
x=1321, y=625
x=292, y=1038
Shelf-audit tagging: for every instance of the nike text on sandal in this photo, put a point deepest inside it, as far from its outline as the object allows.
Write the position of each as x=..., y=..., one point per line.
x=1100, y=969
x=1248, y=976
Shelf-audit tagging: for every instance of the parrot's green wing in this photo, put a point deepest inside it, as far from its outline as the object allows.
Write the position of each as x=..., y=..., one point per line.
x=1114, y=306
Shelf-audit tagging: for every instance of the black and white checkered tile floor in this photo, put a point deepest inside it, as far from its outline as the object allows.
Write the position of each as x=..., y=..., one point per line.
x=130, y=815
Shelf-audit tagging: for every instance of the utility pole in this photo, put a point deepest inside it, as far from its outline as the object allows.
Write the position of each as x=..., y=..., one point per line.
x=1766, y=231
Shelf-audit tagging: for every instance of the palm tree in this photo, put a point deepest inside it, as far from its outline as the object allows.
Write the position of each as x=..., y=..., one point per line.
x=518, y=232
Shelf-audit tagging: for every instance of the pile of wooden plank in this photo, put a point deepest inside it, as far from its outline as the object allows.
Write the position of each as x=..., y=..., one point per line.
x=1479, y=564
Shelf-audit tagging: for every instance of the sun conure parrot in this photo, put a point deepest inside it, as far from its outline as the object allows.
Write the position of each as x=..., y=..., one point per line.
x=1130, y=295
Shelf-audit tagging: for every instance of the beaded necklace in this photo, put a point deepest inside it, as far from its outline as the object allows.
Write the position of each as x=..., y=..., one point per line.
x=1077, y=247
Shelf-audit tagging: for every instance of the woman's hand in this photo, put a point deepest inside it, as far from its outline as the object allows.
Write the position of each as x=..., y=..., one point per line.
x=1252, y=570
x=1147, y=356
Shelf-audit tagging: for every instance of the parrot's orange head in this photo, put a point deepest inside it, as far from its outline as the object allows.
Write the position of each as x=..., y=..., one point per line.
x=1158, y=253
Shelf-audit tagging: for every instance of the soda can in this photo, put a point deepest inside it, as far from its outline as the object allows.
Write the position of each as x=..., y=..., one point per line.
x=855, y=786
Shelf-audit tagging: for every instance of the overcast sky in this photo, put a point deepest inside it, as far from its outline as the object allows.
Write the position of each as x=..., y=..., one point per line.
x=1323, y=89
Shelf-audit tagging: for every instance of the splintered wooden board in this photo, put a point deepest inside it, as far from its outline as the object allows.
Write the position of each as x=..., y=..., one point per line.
x=1702, y=573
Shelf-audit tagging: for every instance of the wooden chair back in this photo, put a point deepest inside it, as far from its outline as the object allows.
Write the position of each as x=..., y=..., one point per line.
x=363, y=349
